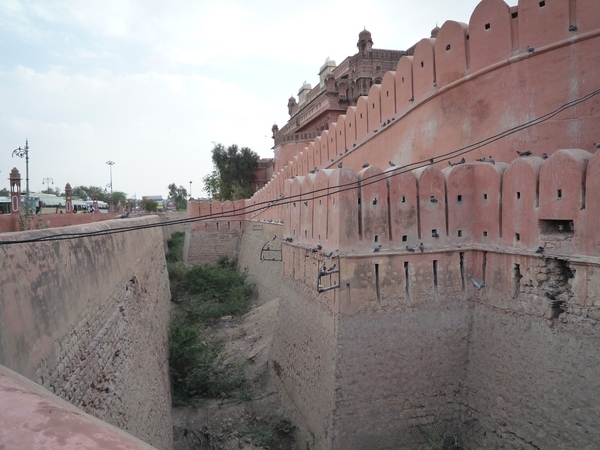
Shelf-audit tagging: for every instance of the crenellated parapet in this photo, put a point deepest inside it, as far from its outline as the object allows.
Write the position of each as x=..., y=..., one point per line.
x=507, y=66
x=530, y=203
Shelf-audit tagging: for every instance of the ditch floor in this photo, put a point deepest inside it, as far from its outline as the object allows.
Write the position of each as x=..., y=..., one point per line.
x=259, y=422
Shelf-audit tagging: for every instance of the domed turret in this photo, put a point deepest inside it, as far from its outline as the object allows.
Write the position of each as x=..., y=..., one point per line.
x=365, y=43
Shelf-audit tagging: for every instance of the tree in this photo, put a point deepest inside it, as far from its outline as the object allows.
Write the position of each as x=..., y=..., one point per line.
x=4, y=192
x=234, y=173
x=85, y=194
x=178, y=195
x=149, y=205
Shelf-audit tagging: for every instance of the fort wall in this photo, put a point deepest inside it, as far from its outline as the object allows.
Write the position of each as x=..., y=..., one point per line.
x=448, y=300
x=87, y=318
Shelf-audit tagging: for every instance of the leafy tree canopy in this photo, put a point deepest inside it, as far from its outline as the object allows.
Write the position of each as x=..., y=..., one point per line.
x=85, y=194
x=178, y=195
x=234, y=173
x=4, y=192
x=149, y=205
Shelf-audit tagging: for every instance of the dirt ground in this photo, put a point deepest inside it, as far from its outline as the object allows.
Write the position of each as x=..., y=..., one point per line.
x=258, y=423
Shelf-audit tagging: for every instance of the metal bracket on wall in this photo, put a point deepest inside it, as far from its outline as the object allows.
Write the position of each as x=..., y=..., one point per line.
x=324, y=272
x=270, y=254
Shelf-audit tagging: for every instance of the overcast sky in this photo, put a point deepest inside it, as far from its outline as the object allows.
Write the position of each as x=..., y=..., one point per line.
x=152, y=84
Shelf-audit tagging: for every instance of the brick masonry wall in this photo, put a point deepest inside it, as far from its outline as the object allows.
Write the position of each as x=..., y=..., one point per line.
x=87, y=319
x=303, y=365
x=265, y=274
x=203, y=247
x=532, y=373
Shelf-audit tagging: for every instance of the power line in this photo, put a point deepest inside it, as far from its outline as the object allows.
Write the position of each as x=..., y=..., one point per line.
x=376, y=178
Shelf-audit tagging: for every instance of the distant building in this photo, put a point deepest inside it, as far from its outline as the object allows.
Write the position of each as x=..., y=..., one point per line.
x=339, y=87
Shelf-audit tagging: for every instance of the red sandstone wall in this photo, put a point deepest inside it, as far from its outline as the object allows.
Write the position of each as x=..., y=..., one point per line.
x=471, y=83
x=87, y=319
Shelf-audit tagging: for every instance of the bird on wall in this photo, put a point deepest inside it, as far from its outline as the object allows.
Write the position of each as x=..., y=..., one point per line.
x=477, y=284
x=530, y=49
x=597, y=144
x=346, y=150
x=374, y=131
x=432, y=199
x=339, y=165
x=572, y=27
x=274, y=237
x=490, y=159
x=365, y=165
x=525, y=153
x=544, y=155
x=314, y=170
x=388, y=121
x=328, y=255
x=383, y=124
x=410, y=249
x=482, y=159
x=305, y=203
x=435, y=234
x=421, y=247
x=288, y=239
x=319, y=246
x=540, y=250
x=392, y=164
x=412, y=99
x=377, y=248
x=332, y=268
x=430, y=160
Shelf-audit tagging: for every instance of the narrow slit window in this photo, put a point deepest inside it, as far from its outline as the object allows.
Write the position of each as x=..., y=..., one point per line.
x=405, y=238
x=542, y=3
x=560, y=193
x=376, y=238
x=459, y=233
x=448, y=47
x=403, y=199
x=487, y=26
x=459, y=198
x=518, y=195
x=485, y=196
x=517, y=237
x=515, y=15
x=422, y=64
x=485, y=234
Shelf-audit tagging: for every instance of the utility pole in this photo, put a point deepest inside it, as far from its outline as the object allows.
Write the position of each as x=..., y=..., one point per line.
x=48, y=181
x=110, y=164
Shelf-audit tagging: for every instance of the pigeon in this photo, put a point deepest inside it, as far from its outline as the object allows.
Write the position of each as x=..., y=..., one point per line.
x=339, y=165
x=377, y=248
x=434, y=84
x=597, y=144
x=331, y=159
x=421, y=247
x=412, y=99
x=432, y=199
x=305, y=203
x=328, y=255
x=388, y=121
x=435, y=234
x=544, y=155
x=319, y=246
x=477, y=284
x=540, y=250
x=374, y=131
x=346, y=150
x=572, y=27
x=525, y=153
x=482, y=159
x=288, y=239
x=530, y=49
x=365, y=165
x=451, y=164
x=383, y=125
x=550, y=296
x=392, y=164
x=492, y=160
x=410, y=249
x=462, y=161
x=274, y=237
x=570, y=273
x=332, y=268
x=431, y=161
x=314, y=170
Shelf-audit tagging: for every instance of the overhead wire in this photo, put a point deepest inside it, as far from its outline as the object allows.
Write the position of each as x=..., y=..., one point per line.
x=326, y=191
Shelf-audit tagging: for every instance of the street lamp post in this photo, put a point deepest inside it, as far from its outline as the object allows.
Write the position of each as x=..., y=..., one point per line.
x=190, y=189
x=110, y=164
x=24, y=153
x=48, y=181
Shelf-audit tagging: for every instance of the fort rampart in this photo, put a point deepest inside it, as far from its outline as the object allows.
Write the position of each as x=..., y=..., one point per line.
x=458, y=301
x=87, y=318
